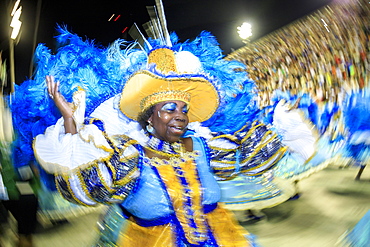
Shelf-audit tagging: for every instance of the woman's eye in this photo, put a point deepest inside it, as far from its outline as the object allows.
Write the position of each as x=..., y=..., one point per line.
x=169, y=107
x=185, y=109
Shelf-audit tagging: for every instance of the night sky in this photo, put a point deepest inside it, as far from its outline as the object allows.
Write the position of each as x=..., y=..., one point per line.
x=89, y=19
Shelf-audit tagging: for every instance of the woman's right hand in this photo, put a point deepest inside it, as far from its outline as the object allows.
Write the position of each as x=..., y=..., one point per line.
x=65, y=108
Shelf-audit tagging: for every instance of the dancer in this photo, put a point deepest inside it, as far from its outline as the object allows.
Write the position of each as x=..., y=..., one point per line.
x=161, y=178
x=150, y=130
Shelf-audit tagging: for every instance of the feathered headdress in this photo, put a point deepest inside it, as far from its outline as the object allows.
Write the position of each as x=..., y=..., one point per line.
x=105, y=72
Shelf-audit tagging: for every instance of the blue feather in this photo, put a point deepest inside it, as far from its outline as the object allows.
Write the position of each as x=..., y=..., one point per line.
x=102, y=72
x=356, y=111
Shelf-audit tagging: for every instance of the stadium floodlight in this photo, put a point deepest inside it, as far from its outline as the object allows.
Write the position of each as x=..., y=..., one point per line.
x=245, y=31
x=15, y=22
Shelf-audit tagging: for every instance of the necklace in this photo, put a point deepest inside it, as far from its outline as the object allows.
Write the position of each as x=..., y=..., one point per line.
x=164, y=148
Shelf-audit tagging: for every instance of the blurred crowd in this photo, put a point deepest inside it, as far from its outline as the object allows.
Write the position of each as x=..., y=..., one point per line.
x=325, y=54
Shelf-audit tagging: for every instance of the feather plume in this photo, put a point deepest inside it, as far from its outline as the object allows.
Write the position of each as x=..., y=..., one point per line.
x=102, y=72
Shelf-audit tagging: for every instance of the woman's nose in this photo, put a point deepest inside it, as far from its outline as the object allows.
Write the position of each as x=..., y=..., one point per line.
x=180, y=116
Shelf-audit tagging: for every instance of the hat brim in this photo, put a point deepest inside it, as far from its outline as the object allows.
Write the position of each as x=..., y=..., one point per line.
x=203, y=102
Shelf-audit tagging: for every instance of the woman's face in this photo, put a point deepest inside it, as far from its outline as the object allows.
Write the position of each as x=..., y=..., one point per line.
x=169, y=120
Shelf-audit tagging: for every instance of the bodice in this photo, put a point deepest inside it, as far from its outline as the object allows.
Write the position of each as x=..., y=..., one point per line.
x=150, y=199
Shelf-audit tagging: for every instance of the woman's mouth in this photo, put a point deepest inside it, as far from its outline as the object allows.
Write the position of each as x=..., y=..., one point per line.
x=177, y=129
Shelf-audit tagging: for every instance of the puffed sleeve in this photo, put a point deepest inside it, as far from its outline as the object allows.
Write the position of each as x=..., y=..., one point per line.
x=250, y=151
x=104, y=181
x=90, y=167
x=223, y=158
x=260, y=149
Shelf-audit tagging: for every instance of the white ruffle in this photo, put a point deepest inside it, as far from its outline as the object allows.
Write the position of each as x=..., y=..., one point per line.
x=200, y=131
x=59, y=152
x=295, y=132
x=116, y=123
x=78, y=191
x=223, y=143
x=79, y=101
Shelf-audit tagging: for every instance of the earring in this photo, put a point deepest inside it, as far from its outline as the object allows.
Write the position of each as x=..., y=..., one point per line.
x=149, y=127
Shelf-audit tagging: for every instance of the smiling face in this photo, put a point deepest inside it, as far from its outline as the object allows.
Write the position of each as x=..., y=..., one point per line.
x=169, y=120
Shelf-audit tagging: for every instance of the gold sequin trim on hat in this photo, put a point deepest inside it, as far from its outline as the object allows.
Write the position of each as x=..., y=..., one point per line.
x=164, y=96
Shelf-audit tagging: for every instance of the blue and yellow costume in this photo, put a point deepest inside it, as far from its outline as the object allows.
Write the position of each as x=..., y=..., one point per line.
x=174, y=202
x=168, y=202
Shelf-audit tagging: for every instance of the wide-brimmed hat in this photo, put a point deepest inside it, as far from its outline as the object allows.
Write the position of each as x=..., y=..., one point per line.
x=170, y=81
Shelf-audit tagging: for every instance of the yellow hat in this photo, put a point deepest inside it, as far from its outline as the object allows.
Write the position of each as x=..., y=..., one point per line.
x=145, y=89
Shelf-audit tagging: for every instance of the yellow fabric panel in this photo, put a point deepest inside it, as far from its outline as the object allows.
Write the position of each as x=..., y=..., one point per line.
x=154, y=236
x=226, y=229
x=176, y=192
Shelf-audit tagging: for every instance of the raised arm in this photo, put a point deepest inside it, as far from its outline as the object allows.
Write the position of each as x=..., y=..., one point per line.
x=65, y=108
x=91, y=167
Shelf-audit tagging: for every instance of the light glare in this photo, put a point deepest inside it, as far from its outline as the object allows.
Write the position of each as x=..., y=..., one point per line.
x=111, y=17
x=16, y=23
x=245, y=30
x=15, y=7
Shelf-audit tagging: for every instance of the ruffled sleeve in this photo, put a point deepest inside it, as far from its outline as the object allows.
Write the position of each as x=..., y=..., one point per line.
x=223, y=158
x=250, y=151
x=90, y=167
x=260, y=149
x=257, y=147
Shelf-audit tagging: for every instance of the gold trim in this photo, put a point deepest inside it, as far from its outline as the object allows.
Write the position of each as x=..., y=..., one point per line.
x=223, y=149
x=251, y=131
x=278, y=153
x=242, y=128
x=260, y=146
x=155, y=98
x=127, y=178
x=226, y=136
